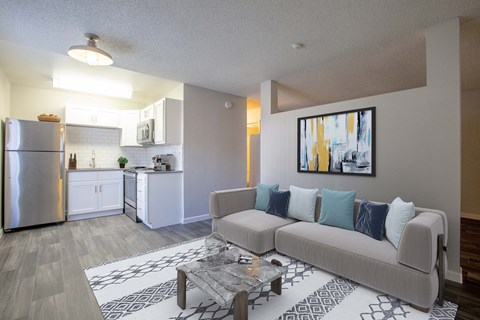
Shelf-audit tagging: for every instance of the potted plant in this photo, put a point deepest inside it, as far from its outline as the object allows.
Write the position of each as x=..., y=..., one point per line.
x=122, y=161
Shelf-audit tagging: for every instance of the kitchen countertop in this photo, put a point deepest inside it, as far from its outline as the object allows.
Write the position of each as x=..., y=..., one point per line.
x=155, y=172
x=95, y=169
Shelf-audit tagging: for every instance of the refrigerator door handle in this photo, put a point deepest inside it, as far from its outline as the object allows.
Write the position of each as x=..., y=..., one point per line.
x=62, y=166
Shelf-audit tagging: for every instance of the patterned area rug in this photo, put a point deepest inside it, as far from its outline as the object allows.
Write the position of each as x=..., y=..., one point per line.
x=144, y=287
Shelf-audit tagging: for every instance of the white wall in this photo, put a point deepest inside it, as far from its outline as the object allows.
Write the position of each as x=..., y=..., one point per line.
x=4, y=113
x=28, y=102
x=417, y=141
x=175, y=93
x=214, y=146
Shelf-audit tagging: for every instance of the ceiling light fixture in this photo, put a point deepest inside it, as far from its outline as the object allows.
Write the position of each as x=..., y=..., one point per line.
x=90, y=53
x=92, y=86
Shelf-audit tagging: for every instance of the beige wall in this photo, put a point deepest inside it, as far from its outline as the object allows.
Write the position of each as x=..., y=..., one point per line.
x=417, y=141
x=28, y=102
x=471, y=152
x=214, y=146
x=4, y=113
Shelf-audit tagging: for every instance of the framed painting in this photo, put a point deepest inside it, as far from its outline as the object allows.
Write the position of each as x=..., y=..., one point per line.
x=337, y=143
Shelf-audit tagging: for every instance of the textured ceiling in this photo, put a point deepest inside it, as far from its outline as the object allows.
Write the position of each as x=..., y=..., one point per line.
x=352, y=48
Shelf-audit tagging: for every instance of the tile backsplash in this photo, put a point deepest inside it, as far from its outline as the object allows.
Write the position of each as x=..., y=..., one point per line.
x=106, y=145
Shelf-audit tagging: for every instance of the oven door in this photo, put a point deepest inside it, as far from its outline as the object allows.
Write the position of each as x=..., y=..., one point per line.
x=130, y=188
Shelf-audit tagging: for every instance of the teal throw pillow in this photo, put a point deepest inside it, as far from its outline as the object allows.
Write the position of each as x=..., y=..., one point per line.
x=399, y=214
x=263, y=195
x=337, y=208
x=302, y=203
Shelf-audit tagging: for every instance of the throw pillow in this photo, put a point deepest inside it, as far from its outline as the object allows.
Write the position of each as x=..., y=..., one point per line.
x=263, y=195
x=399, y=214
x=278, y=203
x=337, y=208
x=302, y=203
x=371, y=219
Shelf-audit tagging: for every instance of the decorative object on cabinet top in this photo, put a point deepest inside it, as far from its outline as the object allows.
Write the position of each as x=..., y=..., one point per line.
x=48, y=117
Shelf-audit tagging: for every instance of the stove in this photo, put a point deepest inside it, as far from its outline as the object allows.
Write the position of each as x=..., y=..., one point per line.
x=137, y=169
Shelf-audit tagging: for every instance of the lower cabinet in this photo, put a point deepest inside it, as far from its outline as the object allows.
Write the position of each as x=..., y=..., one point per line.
x=159, y=199
x=92, y=192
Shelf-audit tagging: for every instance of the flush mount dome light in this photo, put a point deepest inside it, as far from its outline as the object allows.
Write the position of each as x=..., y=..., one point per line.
x=89, y=53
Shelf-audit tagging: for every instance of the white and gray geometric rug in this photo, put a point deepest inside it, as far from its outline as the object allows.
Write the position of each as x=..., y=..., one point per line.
x=144, y=287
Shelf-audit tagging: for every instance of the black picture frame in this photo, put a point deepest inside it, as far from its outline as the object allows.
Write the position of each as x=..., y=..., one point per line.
x=353, y=162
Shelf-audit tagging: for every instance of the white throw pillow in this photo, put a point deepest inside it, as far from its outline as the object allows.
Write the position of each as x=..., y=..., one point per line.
x=302, y=204
x=399, y=214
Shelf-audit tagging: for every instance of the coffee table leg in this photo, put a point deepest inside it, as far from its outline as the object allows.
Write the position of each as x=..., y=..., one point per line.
x=276, y=284
x=240, y=306
x=181, y=289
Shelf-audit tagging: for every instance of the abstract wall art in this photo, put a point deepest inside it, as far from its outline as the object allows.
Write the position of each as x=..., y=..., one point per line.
x=337, y=143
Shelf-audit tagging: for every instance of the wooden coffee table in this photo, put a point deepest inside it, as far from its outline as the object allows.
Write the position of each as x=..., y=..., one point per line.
x=226, y=281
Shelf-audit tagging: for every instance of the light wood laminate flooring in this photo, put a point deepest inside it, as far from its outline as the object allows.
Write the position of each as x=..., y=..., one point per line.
x=41, y=269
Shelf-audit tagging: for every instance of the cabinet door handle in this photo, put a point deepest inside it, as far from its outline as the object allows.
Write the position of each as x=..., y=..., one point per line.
x=100, y=187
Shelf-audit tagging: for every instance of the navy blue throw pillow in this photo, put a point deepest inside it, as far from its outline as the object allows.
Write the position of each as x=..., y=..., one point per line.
x=278, y=203
x=371, y=219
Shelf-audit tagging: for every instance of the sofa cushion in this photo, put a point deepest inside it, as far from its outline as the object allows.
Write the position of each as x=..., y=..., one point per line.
x=357, y=257
x=399, y=214
x=263, y=195
x=278, y=203
x=302, y=203
x=337, y=208
x=371, y=219
x=253, y=229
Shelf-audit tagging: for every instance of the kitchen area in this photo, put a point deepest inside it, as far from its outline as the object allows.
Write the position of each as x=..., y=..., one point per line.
x=106, y=162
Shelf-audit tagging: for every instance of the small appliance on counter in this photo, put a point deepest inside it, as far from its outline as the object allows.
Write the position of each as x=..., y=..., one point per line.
x=164, y=162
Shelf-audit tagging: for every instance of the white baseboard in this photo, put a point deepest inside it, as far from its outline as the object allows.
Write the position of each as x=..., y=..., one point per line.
x=196, y=218
x=454, y=276
x=91, y=215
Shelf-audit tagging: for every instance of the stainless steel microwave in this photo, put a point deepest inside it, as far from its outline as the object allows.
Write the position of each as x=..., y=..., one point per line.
x=146, y=132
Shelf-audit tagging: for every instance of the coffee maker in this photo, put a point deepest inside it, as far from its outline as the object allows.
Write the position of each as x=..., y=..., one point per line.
x=164, y=162
x=169, y=161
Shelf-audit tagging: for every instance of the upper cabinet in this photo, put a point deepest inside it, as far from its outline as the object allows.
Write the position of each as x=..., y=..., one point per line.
x=168, y=121
x=87, y=116
x=147, y=113
x=128, y=120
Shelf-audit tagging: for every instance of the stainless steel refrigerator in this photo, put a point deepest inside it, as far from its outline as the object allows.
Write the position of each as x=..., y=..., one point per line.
x=34, y=190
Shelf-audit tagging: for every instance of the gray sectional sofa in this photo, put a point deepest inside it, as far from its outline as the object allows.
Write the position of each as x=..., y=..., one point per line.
x=414, y=273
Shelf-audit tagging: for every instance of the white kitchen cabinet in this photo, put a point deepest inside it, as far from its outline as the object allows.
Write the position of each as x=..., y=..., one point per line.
x=168, y=121
x=128, y=123
x=106, y=118
x=94, y=193
x=79, y=115
x=88, y=116
x=147, y=113
x=110, y=195
x=82, y=197
x=159, y=198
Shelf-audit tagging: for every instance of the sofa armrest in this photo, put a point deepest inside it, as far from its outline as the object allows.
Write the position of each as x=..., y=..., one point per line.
x=418, y=246
x=225, y=202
